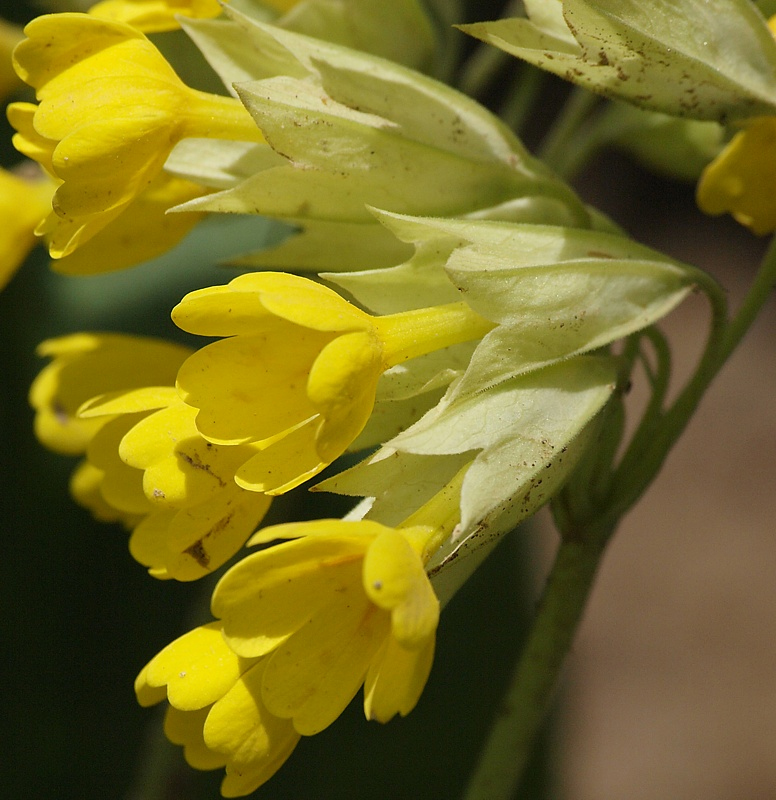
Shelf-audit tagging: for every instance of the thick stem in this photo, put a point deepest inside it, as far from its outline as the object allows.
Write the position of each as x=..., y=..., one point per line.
x=528, y=700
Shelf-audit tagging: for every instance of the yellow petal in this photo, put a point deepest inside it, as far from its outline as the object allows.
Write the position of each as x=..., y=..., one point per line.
x=342, y=386
x=254, y=741
x=269, y=595
x=155, y=16
x=122, y=485
x=287, y=462
x=394, y=579
x=250, y=387
x=396, y=679
x=315, y=674
x=741, y=179
x=197, y=668
x=185, y=727
x=203, y=537
x=120, y=239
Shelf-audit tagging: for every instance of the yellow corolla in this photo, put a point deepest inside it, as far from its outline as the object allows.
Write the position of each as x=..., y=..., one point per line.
x=304, y=625
x=154, y=16
x=190, y=515
x=742, y=179
x=23, y=203
x=216, y=711
x=143, y=230
x=341, y=605
x=113, y=108
x=187, y=514
x=297, y=377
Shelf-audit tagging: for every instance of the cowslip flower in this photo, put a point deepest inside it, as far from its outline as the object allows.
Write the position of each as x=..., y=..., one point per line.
x=215, y=710
x=190, y=515
x=297, y=376
x=23, y=203
x=304, y=625
x=186, y=513
x=113, y=108
x=117, y=245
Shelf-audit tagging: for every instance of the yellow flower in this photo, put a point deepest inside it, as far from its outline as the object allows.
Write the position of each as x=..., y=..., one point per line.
x=216, y=711
x=114, y=109
x=305, y=624
x=22, y=205
x=192, y=516
x=88, y=364
x=119, y=244
x=741, y=180
x=297, y=377
x=154, y=16
x=200, y=517
x=344, y=604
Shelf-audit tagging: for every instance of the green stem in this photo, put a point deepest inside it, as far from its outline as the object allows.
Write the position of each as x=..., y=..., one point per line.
x=563, y=137
x=530, y=694
x=521, y=97
x=529, y=697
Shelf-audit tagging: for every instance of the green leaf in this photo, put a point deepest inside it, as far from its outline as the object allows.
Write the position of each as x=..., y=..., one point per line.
x=705, y=59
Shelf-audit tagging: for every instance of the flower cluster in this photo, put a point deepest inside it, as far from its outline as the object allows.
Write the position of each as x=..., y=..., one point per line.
x=471, y=358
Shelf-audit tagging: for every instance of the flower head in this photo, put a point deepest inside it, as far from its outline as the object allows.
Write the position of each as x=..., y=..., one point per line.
x=297, y=377
x=111, y=109
x=305, y=624
x=146, y=212
x=216, y=711
x=177, y=494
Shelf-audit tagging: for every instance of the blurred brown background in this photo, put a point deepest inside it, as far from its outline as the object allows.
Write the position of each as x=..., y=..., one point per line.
x=671, y=686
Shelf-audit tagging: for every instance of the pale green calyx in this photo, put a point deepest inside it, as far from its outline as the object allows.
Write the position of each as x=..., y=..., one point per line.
x=704, y=59
x=353, y=130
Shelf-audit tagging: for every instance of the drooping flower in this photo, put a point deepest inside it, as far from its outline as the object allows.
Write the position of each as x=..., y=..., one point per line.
x=113, y=108
x=117, y=245
x=191, y=515
x=187, y=514
x=23, y=202
x=297, y=376
x=304, y=624
x=216, y=711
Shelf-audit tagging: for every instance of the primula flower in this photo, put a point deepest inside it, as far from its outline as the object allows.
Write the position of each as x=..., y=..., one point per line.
x=189, y=514
x=297, y=377
x=117, y=245
x=155, y=16
x=22, y=205
x=201, y=517
x=113, y=109
x=304, y=624
x=216, y=711
x=742, y=178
